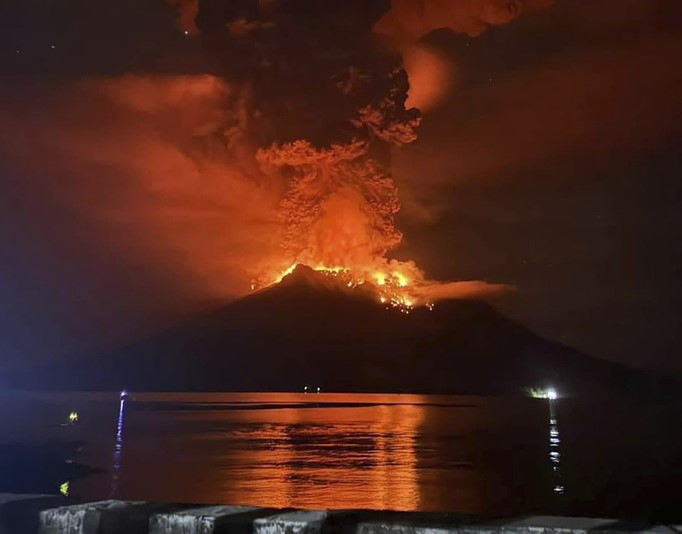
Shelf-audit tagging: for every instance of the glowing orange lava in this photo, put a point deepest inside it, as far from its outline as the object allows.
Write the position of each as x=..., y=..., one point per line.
x=393, y=285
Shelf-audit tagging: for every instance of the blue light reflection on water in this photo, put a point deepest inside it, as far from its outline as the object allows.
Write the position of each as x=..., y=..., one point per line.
x=118, y=449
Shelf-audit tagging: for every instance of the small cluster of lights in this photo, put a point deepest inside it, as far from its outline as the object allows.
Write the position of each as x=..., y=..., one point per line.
x=18, y=50
x=307, y=390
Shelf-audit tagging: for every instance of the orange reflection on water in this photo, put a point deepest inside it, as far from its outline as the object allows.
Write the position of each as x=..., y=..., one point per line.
x=396, y=452
x=300, y=455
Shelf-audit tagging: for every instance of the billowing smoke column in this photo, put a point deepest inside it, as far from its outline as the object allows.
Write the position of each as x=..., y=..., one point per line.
x=324, y=103
x=340, y=201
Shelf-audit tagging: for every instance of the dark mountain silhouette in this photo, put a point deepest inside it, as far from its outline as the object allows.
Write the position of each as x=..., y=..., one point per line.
x=312, y=330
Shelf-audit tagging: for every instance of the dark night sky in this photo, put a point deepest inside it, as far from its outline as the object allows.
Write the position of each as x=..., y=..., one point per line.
x=553, y=165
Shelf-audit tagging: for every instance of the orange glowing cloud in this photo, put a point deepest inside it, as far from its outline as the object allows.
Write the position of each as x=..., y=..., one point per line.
x=410, y=20
x=145, y=161
x=598, y=105
x=466, y=289
x=432, y=76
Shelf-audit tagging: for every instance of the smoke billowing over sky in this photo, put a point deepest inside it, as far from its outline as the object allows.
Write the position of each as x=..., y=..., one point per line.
x=545, y=148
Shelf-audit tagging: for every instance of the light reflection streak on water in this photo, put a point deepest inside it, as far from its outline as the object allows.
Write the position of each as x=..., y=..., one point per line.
x=394, y=474
x=554, y=452
x=352, y=457
x=118, y=450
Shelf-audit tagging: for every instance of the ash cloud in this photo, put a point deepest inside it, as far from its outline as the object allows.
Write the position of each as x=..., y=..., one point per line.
x=216, y=179
x=325, y=127
x=464, y=289
x=146, y=160
x=339, y=205
x=406, y=20
x=615, y=97
x=409, y=20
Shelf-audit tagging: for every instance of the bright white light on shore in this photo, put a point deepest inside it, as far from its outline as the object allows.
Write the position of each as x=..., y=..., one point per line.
x=540, y=393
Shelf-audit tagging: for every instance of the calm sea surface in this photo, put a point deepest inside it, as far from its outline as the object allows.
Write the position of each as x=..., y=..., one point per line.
x=477, y=455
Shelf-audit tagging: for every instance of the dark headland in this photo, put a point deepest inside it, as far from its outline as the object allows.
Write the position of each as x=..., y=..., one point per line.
x=311, y=330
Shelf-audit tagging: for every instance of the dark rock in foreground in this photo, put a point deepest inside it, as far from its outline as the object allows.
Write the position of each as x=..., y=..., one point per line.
x=310, y=330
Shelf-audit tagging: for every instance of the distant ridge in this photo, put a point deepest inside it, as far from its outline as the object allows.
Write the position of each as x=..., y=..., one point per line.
x=310, y=329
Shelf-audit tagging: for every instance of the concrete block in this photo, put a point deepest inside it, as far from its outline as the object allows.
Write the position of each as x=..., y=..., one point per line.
x=391, y=527
x=102, y=517
x=479, y=529
x=415, y=523
x=464, y=525
x=204, y=520
x=554, y=525
x=297, y=522
x=663, y=529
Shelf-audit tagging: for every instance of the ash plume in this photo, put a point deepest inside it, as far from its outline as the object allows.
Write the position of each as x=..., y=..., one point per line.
x=327, y=105
x=340, y=199
x=340, y=202
x=163, y=182
x=339, y=205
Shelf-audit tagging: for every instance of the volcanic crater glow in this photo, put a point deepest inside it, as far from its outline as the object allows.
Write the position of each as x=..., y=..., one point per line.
x=393, y=288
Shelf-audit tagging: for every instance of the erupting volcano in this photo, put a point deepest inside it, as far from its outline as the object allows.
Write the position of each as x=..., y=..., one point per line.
x=321, y=105
x=297, y=130
x=337, y=213
x=262, y=178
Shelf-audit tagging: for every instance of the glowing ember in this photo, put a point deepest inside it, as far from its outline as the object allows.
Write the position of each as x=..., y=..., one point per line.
x=281, y=275
x=392, y=288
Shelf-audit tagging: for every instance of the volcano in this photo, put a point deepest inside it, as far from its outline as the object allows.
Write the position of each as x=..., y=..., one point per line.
x=313, y=330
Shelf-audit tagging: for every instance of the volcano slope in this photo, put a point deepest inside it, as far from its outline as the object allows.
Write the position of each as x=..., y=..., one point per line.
x=312, y=330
